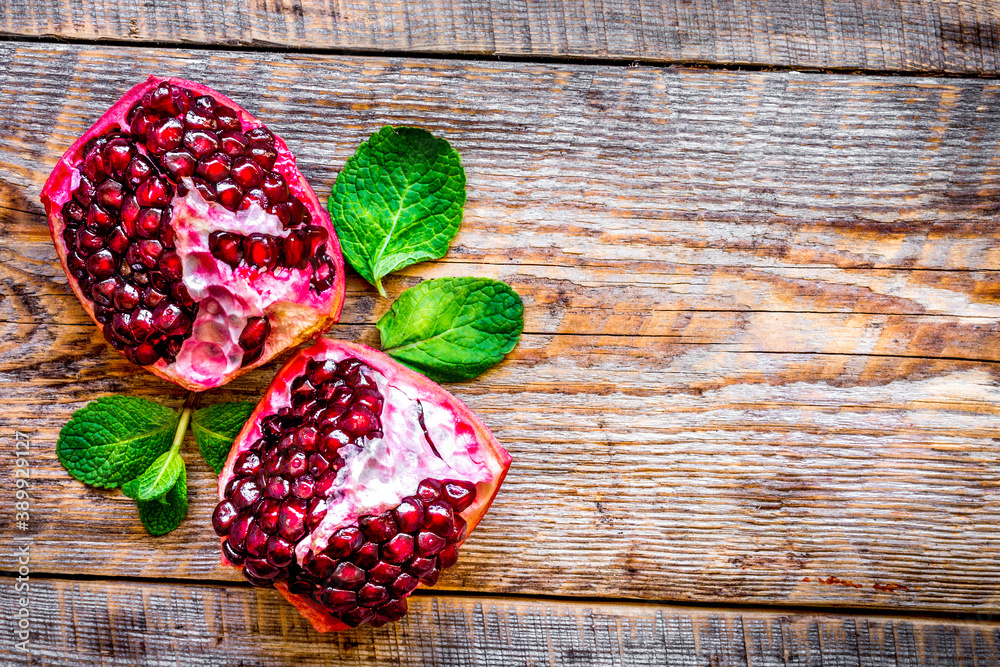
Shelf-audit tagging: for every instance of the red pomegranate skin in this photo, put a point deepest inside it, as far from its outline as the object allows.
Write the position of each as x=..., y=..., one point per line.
x=475, y=448
x=297, y=315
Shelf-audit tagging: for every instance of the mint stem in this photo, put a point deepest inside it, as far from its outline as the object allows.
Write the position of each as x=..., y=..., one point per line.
x=182, y=424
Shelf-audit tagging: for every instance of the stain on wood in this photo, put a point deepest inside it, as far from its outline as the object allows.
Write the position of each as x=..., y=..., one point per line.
x=911, y=36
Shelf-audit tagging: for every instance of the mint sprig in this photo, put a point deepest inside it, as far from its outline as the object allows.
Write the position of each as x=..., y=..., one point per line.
x=114, y=439
x=135, y=443
x=453, y=329
x=216, y=427
x=398, y=201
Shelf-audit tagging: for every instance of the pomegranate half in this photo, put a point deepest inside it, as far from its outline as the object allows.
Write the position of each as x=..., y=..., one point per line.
x=355, y=480
x=190, y=237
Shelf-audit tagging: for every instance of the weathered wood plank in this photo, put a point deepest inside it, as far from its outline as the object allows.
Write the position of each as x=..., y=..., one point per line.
x=912, y=36
x=761, y=319
x=147, y=625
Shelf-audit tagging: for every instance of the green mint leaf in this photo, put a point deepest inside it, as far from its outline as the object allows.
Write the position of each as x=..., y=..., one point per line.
x=453, y=329
x=161, y=516
x=215, y=427
x=113, y=439
x=159, y=478
x=398, y=201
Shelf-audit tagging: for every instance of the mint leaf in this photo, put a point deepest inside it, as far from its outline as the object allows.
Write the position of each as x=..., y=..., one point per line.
x=398, y=201
x=159, y=478
x=215, y=427
x=161, y=516
x=113, y=439
x=453, y=329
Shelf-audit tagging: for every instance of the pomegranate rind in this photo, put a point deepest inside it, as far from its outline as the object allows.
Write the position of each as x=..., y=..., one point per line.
x=496, y=459
x=303, y=325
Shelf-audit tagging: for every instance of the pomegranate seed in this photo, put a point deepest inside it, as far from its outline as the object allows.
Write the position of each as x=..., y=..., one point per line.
x=170, y=319
x=460, y=495
x=378, y=528
x=403, y=584
x=304, y=487
x=261, y=569
x=228, y=193
x=162, y=99
x=260, y=135
x=101, y=264
x=366, y=556
x=247, y=173
x=429, y=544
x=164, y=135
x=283, y=213
x=149, y=251
x=279, y=552
x=200, y=118
x=263, y=155
x=227, y=118
x=260, y=251
x=103, y=292
x=348, y=576
x=85, y=192
x=255, y=196
x=420, y=567
x=278, y=488
x=275, y=188
x=238, y=532
x=98, y=218
x=392, y=610
x=399, y=549
x=337, y=600
x=372, y=595
x=291, y=524
x=179, y=163
x=154, y=191
x=267, y=517
x=93, y=165
x=214, y=167
x=170, y=266
x=320, y=565
x=256, y=542
x=201, y=142
x=231, y=555
x=88, y=241
x=222, y=518
x=255, y=333
x=204, y=103
x=439, y=518
x=227, y=247
x=358, y=420
x=117, y=154
x=233, y=144
x=126, y=296
x=409, y=515
x=428, y=491
x=448, y=556
x=244, y=492
x=110, y=194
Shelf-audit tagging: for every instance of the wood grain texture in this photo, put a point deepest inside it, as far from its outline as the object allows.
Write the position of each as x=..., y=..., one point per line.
x=760, y=360
x=903, y=35
x=147, y=625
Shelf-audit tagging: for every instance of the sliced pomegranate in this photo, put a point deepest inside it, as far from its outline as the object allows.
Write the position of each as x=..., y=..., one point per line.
x=190, y=237
x=354, y=481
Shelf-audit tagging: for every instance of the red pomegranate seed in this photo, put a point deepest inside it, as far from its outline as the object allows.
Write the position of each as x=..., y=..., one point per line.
x=228, y=193
x=429, y=544
x=154, y=191
x=366, y=556
x=345, y=542
x=201, y=142
x=200, y=118
x=348, y=576
x=256, y=541
x=170, y=266
x=247, y=173
x=88, y=241
x=263, y=155
x=227, y=118
x=409, y=515
x=279, y=552
x=233, y=144
x=255, y=333
x=399, y=549
x=372, y=595
x=126, y=296
x=253, y=196
x=378, y=528
x=260, y=251
x=103, y=292
x=222, y=518
x=214, y=167
x=101, y=264
x=439, y=518
x=384, y=573
x=275, y=188
x=320, y=565
x=164, y=135
x=428, y=491
x=238, y=532
x=278, y=488
x=267, y=517
x=179, y=163
x=403, y=584
x=337, y=600
x=110, y=194
x=227, y=247
x=358, y=420
x=117, y=154
x=291, y=523
x=98, y=218
x=171, y=319
x=85, y=192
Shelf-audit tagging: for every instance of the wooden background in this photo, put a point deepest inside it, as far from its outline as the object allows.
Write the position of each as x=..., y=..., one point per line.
x=754, y=413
